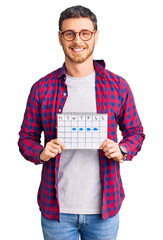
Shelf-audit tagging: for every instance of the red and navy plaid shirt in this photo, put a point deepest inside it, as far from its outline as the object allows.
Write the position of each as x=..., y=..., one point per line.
x=46, y=99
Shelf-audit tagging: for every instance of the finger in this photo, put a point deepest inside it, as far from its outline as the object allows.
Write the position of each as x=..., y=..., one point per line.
x=53, y=150
x=58, y=148
x=106, y=141
x=58, y=141
x=108, y=148
x=55, y=146
x=115, y=157
x=61, y=144
x=103, y=144
x=112, y=155
x=49, y=155
x=108, y=154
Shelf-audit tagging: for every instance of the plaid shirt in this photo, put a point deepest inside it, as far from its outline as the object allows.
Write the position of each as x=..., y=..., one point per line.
x=46, y=99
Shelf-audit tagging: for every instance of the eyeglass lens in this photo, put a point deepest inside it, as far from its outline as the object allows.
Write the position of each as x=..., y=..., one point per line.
x=84, y=35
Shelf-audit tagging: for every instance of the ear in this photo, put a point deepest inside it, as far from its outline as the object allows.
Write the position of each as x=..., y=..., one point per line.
x=60, y=38
x=96, y=36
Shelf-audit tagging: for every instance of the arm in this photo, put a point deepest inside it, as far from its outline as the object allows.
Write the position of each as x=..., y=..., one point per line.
x=30, y=133
x=129, y=123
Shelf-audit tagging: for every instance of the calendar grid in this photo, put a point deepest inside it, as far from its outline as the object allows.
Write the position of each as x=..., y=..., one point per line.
x=82, y=130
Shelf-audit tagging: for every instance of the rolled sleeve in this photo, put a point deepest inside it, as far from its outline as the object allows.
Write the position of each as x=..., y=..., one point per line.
x=129, y=123
x=30, y=133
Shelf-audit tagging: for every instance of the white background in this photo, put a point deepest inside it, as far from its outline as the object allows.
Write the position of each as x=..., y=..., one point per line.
x=131, y=42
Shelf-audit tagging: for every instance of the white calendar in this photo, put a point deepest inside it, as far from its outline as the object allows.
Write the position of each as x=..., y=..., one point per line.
x=82, y=130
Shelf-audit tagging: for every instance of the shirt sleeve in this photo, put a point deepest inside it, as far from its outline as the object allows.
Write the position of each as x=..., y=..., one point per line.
x=31, y=128
x=129, y=123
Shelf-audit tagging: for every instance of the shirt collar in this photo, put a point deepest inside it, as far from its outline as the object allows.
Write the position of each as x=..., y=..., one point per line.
x=99, y=66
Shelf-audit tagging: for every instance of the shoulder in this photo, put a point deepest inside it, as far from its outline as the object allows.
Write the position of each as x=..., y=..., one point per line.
x=45, y=84
x=114, y=78
x=50, y=78
x=116, y=82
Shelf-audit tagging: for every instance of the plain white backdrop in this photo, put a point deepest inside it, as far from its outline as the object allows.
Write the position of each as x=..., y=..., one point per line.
x=130, y=42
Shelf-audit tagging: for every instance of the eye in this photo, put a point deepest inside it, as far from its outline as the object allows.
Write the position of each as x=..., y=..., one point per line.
x=69, y=34
x=85, y=33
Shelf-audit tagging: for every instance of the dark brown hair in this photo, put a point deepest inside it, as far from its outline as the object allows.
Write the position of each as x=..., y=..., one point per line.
x=77, y=12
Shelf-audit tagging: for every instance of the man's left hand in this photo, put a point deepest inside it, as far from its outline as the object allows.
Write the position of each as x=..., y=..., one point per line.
x=112, y=150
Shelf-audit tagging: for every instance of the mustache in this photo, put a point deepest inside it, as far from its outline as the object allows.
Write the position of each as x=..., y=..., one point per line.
x=77, y=46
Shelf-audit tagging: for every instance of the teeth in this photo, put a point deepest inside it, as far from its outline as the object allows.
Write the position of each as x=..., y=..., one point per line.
x=78, y=49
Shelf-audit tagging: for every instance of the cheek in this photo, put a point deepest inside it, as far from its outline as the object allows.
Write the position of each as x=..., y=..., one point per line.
x=65, y=46
x=91, y=44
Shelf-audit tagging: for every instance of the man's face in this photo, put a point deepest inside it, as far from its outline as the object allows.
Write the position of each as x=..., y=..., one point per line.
x=78, y=51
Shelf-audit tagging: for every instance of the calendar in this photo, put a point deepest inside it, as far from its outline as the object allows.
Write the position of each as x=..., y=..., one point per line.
x=82, y=130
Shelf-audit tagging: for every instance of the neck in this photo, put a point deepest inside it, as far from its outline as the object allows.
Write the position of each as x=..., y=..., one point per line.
x=79, y=69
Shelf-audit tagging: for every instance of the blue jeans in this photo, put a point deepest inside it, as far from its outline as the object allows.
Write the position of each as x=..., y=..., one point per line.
x=89, y=226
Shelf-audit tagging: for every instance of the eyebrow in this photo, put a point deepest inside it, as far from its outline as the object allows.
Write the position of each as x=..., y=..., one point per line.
x=79, y=31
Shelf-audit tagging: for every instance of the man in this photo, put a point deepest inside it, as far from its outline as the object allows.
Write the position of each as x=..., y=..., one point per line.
x=80, y=190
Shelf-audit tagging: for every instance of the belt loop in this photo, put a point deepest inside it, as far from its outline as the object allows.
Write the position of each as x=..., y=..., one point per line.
x=84, y=219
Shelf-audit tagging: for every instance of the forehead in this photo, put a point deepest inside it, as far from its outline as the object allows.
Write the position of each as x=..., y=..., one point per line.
x=77, y=24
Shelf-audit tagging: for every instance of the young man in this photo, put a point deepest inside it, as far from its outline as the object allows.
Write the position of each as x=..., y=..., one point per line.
x=80, y=190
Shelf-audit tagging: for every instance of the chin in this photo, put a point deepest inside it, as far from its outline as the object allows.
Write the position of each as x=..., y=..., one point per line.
x=79, y=59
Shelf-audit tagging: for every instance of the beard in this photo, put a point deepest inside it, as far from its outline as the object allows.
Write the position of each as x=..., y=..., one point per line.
x=78, y=57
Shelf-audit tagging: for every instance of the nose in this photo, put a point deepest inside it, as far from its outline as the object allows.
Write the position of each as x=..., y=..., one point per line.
x=77, y=38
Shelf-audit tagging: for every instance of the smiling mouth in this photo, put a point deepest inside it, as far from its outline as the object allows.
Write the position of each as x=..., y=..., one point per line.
x=77, y=50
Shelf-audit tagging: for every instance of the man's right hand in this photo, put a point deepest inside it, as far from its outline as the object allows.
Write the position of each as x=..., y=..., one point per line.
x=51, y=149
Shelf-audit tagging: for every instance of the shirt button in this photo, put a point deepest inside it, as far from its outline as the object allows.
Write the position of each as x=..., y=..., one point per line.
x=64, y=94
x=59, y=110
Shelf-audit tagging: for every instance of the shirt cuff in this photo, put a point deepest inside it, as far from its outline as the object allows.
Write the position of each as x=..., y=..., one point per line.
x=128, y=151
x=38, y=152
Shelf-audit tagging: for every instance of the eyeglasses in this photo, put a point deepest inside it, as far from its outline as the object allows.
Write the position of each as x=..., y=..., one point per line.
x=70, y=35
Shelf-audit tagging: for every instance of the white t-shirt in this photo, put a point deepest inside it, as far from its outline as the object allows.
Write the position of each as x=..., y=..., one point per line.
x=79, y=183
